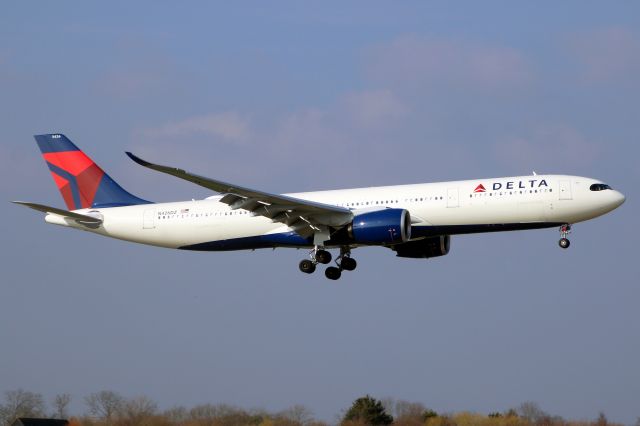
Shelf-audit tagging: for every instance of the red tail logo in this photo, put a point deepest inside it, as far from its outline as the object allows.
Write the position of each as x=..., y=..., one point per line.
x=76, y=176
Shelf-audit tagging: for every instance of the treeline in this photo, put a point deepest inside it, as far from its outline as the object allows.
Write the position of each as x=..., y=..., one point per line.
x=108, y=408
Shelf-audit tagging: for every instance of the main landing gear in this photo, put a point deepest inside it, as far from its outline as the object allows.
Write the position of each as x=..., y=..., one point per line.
x=319, y=255
x=564, y=231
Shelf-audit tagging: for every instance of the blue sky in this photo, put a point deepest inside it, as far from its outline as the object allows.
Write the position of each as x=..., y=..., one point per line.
x=300, y=96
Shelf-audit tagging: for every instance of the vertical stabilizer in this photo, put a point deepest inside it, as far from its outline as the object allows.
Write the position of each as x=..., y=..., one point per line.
x=82, y=183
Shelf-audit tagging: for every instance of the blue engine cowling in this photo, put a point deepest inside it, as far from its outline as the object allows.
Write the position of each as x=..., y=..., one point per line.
x=388, y=226
x=425, y=248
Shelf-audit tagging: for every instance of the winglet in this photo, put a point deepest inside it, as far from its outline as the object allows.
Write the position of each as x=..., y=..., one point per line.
x=138, y=159
x=157, y=167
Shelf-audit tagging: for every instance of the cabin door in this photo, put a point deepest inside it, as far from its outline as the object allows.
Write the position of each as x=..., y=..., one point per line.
x=565, y=190
x=148, y=220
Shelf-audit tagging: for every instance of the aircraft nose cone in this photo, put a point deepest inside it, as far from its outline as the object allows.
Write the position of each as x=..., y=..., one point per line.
x=619, y=198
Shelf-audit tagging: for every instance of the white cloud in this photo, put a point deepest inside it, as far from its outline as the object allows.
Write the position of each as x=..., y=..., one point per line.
x=301, y=142
x=374, y=108
x=547, y=149
x=607, y=54
x=227, y=126
x=128, y=84
x=423, y=63
x=305, y=129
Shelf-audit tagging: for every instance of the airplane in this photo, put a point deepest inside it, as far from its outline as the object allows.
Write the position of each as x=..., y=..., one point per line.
x=415, y=221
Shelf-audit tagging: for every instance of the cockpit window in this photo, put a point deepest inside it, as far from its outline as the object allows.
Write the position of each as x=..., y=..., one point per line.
x=599, y=187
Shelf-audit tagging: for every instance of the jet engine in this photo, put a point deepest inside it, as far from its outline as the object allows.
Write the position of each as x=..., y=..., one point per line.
x=425, y=248
x=385, y=227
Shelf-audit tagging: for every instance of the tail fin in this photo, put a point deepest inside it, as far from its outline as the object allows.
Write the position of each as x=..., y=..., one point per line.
x=82, y=183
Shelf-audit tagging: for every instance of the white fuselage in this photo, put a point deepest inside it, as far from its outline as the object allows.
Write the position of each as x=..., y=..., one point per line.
x=521, y=202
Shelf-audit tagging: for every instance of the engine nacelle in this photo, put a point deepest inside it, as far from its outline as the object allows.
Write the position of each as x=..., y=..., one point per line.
x=425, y=248
x=388, y=226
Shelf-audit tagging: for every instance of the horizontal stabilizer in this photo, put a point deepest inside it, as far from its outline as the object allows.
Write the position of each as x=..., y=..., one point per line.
x=80, y=218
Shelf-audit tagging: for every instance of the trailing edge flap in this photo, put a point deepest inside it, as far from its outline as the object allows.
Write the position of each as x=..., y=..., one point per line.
x=80, y=218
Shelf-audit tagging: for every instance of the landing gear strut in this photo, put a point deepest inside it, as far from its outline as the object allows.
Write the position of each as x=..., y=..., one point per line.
x=344, y=262
x=564, y=231
x=317, y=255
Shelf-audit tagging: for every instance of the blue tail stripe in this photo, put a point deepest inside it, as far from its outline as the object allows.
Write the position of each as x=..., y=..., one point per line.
x=54, y=142
x=110, y=194
x=75, y=192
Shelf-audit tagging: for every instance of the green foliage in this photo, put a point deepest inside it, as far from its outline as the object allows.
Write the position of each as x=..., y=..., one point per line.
x=369, y=411
x=429, y=414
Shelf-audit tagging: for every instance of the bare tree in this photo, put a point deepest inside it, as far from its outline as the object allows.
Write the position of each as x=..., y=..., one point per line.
x=298, y=414
x=204, y=411
x=20, y=403
x=104, y=404
x=602, y=419
x=136, y=410
x=61, y=403
x=389, y=404
x=410, y=413
x=176, y=414
x=531, y=411
x=409, y=409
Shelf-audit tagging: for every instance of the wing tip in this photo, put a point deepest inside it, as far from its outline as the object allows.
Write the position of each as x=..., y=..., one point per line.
x=137, y=159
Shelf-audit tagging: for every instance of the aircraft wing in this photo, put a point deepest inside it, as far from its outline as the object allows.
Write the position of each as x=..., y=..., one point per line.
x=303, y=216
x=80, y=218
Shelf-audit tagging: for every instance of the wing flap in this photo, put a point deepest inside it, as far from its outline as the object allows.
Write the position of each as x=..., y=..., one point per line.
x=231, y=198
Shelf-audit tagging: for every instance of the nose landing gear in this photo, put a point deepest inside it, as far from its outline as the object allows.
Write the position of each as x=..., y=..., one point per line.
x=564, y=231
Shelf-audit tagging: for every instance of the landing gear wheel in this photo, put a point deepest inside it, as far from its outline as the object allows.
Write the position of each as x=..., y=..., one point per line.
x=348, y=264
x=564, y=231
x=323, y=256
x=332, y=273
x=307, y=266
